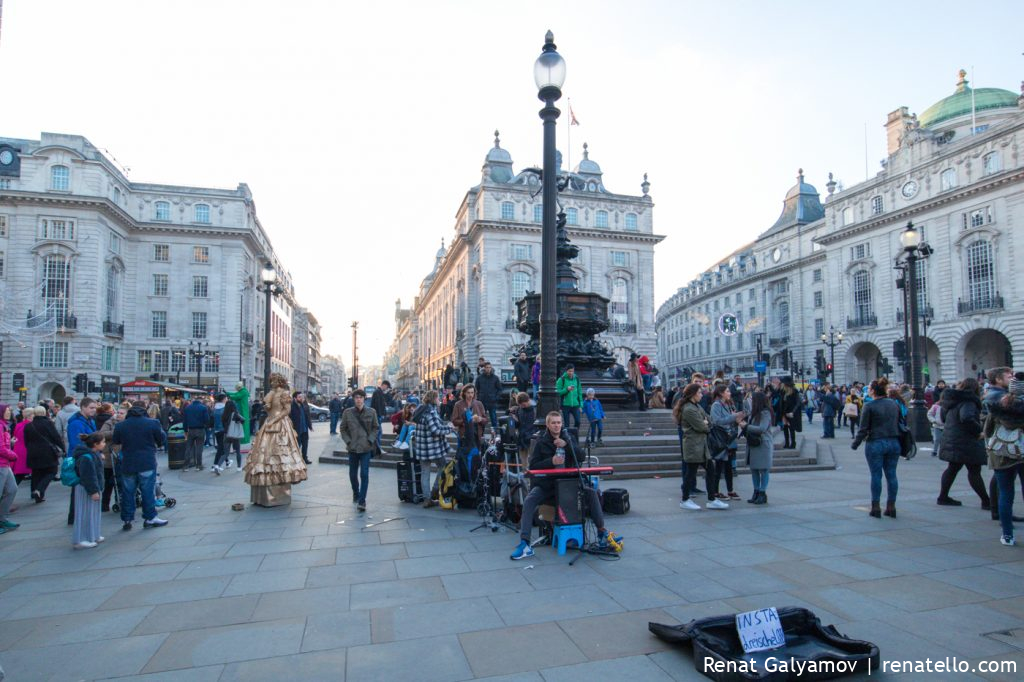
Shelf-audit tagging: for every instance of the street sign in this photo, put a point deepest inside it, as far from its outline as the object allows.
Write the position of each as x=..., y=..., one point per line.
x=760, y=366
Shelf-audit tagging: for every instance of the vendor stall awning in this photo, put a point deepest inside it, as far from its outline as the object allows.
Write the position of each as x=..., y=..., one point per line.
x=144, y=386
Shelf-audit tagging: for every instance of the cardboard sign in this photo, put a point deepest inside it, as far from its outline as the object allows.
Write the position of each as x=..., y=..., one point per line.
x=760, y=630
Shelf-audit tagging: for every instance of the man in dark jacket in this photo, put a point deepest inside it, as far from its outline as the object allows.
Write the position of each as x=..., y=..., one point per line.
x=553, y=449
x=169, y=414
x=522, y=370
x=488, y=390
x=302, y=421
x=139, y=437
x=196, y=420
x=335, y=407
x=358, y=424
x=830, y=407
x=379, y=402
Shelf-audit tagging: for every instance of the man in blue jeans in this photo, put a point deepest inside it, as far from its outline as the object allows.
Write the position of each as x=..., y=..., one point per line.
x=359, y=428
x=139, y=437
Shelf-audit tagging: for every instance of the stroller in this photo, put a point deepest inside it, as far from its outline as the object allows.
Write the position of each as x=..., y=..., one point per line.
x=162, y=501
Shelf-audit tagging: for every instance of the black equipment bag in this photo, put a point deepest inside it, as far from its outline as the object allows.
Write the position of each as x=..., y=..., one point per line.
x=409, y=488
x=615, y=500
x=808, y=642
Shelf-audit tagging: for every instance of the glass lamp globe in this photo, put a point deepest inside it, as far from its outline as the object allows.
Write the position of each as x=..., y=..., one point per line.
x=839, y=336
x=910, y=237
x=549, y=69
x=267, y=274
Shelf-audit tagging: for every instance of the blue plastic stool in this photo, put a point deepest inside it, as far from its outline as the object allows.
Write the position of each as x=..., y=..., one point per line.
x=563, y=534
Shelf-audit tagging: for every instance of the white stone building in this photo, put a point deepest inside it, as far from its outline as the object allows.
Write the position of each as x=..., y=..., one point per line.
x=333, y=378
x=113, y=279
x=957, y=172
x=466, y=307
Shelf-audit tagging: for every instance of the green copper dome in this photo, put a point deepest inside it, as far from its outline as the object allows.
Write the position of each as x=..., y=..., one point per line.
x=959, y=103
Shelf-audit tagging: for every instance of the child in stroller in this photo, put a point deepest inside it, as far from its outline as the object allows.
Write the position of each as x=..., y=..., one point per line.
x=162, y=501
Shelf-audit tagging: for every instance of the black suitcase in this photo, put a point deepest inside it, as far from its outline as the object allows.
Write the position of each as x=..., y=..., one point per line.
x=615, y=501
x=409, y=488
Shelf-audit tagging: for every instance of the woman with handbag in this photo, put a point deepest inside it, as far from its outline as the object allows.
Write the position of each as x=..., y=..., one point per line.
x=962, y=446
x=45, y=450
x=724, y=415
x=880, y=426
x=234, y=430
x=851, y=410
x=696, y=427
x=760, y=446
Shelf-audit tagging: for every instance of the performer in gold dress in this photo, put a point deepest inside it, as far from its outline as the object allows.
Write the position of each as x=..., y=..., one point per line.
x=275, y=461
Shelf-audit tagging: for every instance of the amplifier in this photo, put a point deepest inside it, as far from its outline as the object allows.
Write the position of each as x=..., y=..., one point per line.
x=569, y=508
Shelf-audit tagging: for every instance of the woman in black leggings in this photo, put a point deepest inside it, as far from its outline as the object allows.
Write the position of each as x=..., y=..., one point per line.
x=961, y=446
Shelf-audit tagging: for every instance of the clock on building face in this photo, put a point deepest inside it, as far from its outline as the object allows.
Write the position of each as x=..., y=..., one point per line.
x=776, y=254
x=728, y=324
x=909, y=189
x=6, y=157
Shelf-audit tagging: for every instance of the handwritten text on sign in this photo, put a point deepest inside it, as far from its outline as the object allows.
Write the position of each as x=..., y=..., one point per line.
x=760, y=630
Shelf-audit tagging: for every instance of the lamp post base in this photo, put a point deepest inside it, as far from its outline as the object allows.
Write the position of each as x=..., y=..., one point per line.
x=917, y=420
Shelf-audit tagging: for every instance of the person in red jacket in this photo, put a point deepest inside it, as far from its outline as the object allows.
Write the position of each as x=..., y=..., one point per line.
x=645, y=373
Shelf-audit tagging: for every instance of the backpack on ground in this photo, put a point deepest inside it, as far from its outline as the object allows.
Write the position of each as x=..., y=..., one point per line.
x=1006, y=442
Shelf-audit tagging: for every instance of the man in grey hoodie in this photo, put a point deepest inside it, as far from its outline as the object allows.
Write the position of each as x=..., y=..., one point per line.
x=69, y=410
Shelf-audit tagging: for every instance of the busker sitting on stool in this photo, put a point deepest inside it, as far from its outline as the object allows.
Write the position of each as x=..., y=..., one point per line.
x=553, y=450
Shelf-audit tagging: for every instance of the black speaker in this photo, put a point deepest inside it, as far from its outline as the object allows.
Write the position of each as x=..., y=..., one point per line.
x=569, y=508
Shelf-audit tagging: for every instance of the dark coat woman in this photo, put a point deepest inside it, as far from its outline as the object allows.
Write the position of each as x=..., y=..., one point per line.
x=961, y=441
x=45, y=447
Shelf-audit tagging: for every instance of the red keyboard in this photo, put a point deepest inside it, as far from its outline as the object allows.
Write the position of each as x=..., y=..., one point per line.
x=568, y=473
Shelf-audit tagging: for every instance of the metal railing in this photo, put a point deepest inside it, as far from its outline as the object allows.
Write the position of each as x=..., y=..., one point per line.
x=113, y=329
x=922, y=313
x=862, y=321
x=778, y=340
x=622, y=328
x=980, y=304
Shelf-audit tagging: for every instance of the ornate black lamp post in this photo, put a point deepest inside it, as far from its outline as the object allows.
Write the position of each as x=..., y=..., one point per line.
x=195, y=348
x=270, y=287
x=916, y=250
x=549, y=75
x=832, y=339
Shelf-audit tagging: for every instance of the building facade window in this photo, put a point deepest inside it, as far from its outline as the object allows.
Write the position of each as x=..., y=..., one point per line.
x=860, y=251
x=977, y=217
x=819, y=299
x=572, y=216
x=863, y=307
x=621, y=259
x=200, y=254
x=819, y=327
x=947, y=180
x=631, y=221
x=199, y=325
x=522, y=252
x=201, y=213
x=60, y=178
x=847, y=215
x=618, y=309
x=162, y=210
x=877, y=205
x=162, y=253
x=3, y=226
x=993, y=163
x=200, y=286
x=816, y=275
x=520, y=285
x=981, y=287
x=178, y=360
x=113, y=287
x=114, y=243
x=161, y=361
x=111, y=359
x=145, y=361
x=601, y=219
x=2, y=260
x=538, y=213
x=159, y=285
x=53, y=354
x=56, y=286
x=57, y=228
x=508, y=210
x=159, y=324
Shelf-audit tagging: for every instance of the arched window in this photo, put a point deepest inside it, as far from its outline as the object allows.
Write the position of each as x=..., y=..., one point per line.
x=163, y=210
x=631, y=221
x=602, y=219
x=993, y=163
x=538, y=213
x=618, y=309
x=60, y=178
x=520, y=285
x=113, y=286
x=981, y=285
x=948, y=179
x=863, y=308
x=782, y=319
x=848, y=215
x=508, y=210
x=56, y=287
x=202, y=213
x=572, y=216
x=877, y=205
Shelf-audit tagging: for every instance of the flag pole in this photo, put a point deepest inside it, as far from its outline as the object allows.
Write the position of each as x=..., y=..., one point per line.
x=568, y=137
x=974, y=121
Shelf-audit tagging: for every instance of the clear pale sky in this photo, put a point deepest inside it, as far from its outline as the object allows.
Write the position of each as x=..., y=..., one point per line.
x=360, y=126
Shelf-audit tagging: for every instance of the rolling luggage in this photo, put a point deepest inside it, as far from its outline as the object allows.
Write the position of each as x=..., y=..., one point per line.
x=409, y=488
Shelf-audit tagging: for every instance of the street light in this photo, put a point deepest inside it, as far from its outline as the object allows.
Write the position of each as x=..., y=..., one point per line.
x=832, y=339
x=549, y=75
x=270, y=287
x=915, y=248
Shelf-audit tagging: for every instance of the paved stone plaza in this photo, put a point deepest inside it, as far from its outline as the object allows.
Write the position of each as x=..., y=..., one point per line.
x=315, y=592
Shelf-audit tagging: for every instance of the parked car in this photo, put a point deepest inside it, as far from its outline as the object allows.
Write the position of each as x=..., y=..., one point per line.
x=321, y=414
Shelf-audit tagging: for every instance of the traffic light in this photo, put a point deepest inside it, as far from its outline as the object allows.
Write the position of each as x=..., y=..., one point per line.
x=828, y=368
x=785, y=360
x=352, y=382
x=899, y=349
x=81, y=383
x=819, y=364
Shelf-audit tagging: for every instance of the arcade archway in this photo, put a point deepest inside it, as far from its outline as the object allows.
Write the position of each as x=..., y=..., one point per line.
x=52, y=390
x=980, y=350
x=862, y=361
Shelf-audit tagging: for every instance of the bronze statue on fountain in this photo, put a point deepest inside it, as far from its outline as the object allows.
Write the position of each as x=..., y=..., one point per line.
x=581, y=317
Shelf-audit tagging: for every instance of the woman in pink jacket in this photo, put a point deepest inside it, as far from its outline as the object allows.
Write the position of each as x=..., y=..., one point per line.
x=8, y=486
x=20, y=468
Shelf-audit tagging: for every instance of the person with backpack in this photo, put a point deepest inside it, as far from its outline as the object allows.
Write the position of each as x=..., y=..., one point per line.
x=429, y=443
x=8, y=486
x=1004, y=433
x=87, y=483
x=45, y=449
x=961, y=443
x=81, y=423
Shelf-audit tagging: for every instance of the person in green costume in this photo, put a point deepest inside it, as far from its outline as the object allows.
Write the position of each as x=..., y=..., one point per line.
x=241, y=400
